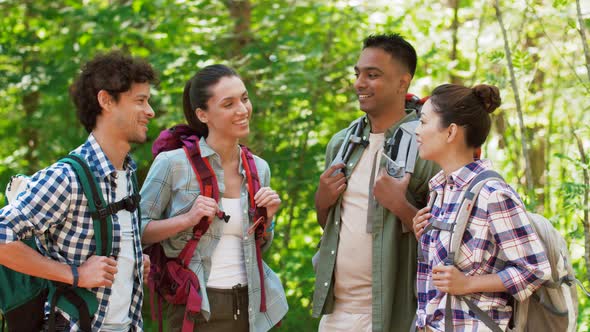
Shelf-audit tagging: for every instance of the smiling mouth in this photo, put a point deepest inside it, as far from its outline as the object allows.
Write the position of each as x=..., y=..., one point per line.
x=241, y=123
x=363, y=96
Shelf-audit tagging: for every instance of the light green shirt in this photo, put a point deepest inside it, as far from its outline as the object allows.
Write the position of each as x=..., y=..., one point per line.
x=394, y=252
x=170, y=190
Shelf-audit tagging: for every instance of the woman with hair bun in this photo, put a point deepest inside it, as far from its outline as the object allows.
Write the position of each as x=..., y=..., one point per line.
x=499, y=257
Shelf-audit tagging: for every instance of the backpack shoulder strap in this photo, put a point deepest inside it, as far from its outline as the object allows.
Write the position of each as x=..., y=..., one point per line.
x=352, y=138
x=201, y=167
x=258, y=214
x=102, y=222
x=402, y=147
x=209, y=187
x=253, y=179
x=467, y=203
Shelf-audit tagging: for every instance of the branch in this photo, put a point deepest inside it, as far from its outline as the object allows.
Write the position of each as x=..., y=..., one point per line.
x=528, y=172
x=582, y=32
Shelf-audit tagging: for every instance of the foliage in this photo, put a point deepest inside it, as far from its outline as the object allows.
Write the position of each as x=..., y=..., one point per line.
x=296, y=58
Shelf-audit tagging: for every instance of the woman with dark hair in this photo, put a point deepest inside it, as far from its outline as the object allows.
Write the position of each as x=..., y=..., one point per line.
x=499, y=255
x=217, y=108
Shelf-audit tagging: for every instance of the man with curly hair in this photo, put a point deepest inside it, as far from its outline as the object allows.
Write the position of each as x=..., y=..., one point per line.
x=111, y=97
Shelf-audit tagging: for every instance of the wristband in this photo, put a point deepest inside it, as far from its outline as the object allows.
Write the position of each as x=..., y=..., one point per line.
x=75, y=274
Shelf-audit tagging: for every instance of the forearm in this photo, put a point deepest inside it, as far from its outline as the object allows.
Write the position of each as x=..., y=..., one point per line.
x=321, y=212
x=484, y=283
x=405, y=212
x=22, y=258
x=158, y=230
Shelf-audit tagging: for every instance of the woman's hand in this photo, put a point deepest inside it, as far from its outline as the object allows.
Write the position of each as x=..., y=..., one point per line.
x=420, y=221
x=268, y=198
x=449, y=279
x=202, y=207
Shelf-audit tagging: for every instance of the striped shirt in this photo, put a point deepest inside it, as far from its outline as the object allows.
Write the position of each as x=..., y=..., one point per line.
x=171, y=188
x=54, y=210
x=498, y=239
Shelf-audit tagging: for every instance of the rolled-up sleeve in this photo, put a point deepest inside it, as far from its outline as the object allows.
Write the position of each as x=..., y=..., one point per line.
x=526, y=265
x=44, y=203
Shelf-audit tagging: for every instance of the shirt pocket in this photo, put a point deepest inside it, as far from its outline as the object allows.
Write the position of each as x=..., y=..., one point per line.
x=184, y=200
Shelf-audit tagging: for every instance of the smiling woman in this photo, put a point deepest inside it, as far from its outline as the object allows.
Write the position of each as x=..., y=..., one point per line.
x=239, y=291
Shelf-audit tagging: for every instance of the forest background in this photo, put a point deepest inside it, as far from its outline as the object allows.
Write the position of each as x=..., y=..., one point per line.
x=297, y=58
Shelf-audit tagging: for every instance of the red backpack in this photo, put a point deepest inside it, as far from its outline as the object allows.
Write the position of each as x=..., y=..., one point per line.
x=170, y=278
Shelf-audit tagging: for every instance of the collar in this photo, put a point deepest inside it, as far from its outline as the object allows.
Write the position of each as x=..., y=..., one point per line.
x=207, y=151
x=461, y=177
x=410, y=115
x=97, y=160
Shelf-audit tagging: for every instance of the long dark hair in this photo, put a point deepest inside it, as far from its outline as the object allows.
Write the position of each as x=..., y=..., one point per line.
x=197, y=92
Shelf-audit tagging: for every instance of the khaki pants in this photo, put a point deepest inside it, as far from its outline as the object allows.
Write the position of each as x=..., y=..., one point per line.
x=225, y=304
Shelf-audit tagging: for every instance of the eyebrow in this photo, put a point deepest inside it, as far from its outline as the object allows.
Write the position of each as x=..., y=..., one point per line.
x=142, y=96
x=232, y=97
x=368, y=68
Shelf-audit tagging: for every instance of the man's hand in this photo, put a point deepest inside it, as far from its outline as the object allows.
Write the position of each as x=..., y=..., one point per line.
x=330, y=187
x=202, y=207
x=449, y=279
x=420, y=221
x=146, y=268
x=97, y=271
x=390, y=192
x=268, y=198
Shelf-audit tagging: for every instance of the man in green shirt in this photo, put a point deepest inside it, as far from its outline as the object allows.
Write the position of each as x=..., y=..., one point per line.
x=366, y=271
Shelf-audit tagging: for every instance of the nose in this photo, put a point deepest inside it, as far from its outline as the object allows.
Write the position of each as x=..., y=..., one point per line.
x=359, y=83
x=243, y=107
x=150, y=111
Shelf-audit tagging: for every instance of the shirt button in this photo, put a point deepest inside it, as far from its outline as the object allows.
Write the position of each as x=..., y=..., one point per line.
x=326, y=284
x=336, y=223
x=333, y=252
x=250, y=309
x=245, y=238
x=350, y=165
x=247, y=261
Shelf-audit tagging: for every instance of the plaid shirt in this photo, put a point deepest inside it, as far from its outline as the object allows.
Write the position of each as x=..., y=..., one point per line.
x=171, y=188
x=54, y=209
x=498, y=239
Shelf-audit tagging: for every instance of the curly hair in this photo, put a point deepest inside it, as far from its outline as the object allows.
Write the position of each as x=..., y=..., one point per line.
x=113, y=72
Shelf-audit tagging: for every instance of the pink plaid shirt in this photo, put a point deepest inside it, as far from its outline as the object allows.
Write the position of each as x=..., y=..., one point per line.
x=498, y=239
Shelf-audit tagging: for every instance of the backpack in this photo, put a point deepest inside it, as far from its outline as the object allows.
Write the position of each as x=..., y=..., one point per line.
x=401, y=149
x=554, y=306
x=23, y=297
x=170, y=278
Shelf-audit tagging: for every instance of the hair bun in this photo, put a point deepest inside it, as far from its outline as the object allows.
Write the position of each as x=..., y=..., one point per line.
x=489, y=96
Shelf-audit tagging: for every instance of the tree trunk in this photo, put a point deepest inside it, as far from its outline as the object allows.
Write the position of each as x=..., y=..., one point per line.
x=586, y=222
x=528, y=173
x=455, y=30
x=30, y=101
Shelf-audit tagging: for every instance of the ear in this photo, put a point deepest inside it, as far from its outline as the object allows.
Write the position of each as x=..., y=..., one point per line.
x=105, y=100
x=453, y=132
x=404, y=83
x=201, y=115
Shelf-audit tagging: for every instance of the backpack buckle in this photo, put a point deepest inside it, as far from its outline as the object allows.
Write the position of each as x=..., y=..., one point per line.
x=130, y=203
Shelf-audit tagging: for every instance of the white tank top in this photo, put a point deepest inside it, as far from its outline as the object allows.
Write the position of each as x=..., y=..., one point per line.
x=117, y=318
x=227, y=263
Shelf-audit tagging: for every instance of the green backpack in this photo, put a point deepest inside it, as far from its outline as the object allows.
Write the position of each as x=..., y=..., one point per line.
x=23, y=297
